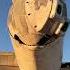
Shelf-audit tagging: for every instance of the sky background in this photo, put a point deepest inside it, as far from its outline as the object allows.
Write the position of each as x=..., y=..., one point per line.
x=5, y=44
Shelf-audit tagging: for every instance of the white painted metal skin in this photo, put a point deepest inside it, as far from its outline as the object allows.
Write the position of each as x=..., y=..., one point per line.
x=27, y=25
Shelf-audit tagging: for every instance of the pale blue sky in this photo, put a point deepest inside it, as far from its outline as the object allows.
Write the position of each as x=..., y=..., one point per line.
x=5, y=44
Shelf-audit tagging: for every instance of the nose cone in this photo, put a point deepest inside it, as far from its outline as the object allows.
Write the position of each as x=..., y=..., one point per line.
x=27, y=20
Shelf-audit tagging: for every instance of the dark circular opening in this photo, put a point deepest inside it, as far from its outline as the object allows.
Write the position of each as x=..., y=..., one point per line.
x=59, y=9
x=35, y=26
x=29, y=14
x=27, y=2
